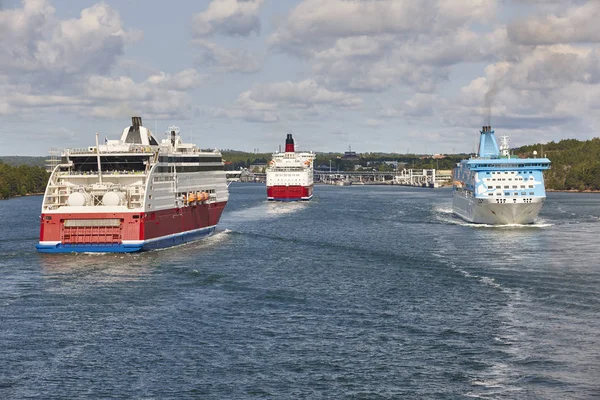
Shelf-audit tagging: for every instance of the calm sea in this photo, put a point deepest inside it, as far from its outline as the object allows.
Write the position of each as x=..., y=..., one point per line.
x=363, y=293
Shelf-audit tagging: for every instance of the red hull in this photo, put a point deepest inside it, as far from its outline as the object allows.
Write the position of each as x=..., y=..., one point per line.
x=127, y=226
x=289, y=193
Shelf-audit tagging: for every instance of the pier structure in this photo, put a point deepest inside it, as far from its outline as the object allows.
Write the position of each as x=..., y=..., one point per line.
x=406, y=177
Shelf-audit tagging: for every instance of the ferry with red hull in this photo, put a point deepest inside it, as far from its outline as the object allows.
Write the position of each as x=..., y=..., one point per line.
x=132, y=194
x=290, y=174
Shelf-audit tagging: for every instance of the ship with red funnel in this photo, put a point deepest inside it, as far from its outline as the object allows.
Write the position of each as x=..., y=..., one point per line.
x=290, y=174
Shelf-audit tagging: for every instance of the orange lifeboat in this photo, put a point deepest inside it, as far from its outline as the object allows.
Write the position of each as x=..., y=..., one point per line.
x=205, y=196
x=191, y=197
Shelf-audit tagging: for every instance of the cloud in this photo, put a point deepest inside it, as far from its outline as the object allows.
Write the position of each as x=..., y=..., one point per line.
x=376, y=45
x=576, y=25
x=372, y=122
x=226, y=60
x=305, y=93
x=247, y=109
x=288, y=100
x=228, y=17
x=159, y=96
x=34, y=41
x=66, y=65
x=314, y=21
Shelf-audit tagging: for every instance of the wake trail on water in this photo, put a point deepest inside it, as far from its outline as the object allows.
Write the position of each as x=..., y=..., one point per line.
x=500, y=377
x=266, y=210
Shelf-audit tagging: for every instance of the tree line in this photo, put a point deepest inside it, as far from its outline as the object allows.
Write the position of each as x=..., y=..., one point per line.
x=575, y=163
x=21, y=180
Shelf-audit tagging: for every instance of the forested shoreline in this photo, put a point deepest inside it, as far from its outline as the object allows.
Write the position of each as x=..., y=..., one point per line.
x=21, y=180
x=575, y=164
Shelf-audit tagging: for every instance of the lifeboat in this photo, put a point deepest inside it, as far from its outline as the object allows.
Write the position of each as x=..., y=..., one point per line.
x=203, y=196
x=191, y=197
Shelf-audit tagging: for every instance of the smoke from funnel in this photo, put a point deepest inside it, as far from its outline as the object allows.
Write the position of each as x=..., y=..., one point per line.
x=489, y=100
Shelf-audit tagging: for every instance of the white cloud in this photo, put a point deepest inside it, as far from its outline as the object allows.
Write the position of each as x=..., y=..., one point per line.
x=302, y=94
x=576, y=25
x=286, y=100
x=65, y=65
x=247, y=109
x=372, y=122
x=35, y=41
x=376, y=45
x=226, y=60
x=315, y=21
x=228, y=17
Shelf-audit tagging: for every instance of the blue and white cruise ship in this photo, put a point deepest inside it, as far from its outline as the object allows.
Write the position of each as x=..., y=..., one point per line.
x=496, y=188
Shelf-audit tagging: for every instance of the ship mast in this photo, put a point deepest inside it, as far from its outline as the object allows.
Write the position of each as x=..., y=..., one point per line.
x=98, y=158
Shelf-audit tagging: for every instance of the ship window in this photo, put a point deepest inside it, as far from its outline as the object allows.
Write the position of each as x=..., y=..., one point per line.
x=506, y=187
x=531, y=186
x=516, y=194
x=531, y=193
x=498, y=194
x=498, y=187
x=507, y=193
x=490, y=194
x=522, y=186
x=514, y=186
x=510, y=179
x=523, y=193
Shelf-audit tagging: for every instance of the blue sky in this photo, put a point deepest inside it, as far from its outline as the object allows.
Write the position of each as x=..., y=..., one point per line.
x=386, y=75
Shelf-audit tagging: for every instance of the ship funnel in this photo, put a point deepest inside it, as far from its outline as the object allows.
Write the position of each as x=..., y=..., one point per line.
x=136, y=122
x=488, y=146
x=289, y=144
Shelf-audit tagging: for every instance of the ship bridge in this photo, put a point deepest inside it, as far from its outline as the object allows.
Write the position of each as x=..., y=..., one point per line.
x=512, y=164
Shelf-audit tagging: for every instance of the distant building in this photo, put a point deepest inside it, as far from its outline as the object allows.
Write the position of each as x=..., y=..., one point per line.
x=259, y=168
x=350, y=155
x=392, y=163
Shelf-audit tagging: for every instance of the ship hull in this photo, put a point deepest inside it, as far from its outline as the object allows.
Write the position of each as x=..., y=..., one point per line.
x=490, y=212
x=289, y=193
x=126, y=232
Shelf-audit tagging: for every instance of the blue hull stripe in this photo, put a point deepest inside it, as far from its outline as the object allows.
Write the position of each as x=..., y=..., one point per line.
x=153, y=244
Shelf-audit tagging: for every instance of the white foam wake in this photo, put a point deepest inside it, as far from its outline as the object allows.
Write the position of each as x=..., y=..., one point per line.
x=265, y=210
